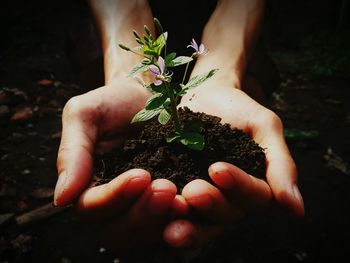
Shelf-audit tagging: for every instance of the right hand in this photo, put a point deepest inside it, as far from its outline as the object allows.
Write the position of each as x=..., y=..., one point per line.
x=130, y=207
x=93, y=122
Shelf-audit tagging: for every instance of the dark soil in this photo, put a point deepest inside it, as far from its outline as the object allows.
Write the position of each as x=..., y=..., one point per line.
x=179, y=164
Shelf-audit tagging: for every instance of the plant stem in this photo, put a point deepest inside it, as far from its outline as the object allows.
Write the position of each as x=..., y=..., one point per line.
x=139, y=54
x=184, y=77
x=164, y=45
x=173, y=108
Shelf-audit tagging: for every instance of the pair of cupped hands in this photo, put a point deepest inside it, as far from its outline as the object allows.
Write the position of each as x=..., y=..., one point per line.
x=133, y=209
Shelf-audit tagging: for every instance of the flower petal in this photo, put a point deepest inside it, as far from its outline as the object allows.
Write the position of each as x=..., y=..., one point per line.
x=165, y=35
x=195, y=45
x=158, y=82
x=201, y=48
x=161, y=64
x=154, y=70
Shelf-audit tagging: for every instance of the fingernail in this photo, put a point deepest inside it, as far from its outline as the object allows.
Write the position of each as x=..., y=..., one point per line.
x=135, y=186
x=60, y=186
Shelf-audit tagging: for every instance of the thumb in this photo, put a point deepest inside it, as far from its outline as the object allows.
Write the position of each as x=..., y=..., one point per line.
x=74, y=160
x=281, y=170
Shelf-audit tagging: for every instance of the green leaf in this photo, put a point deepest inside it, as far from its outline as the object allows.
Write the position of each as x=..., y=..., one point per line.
x=173, y=137
x=192, y=140
x=161, y=40
x=158, y=25
x=147, y=39
x=155, y=102
x=175, y=87
x=148, y=32
x=145, y=115
x=155, y=89
x=146, y=61
x=199, y=79
x=139, y=41
x=138, y=68
x=137, y=36
x=151, y=52
x=124, y=47
x=300, y=134
x=167, y=104
x=169, y=58
x=164, y=116
x=179, y=61
x=183, y=90
x=160, y=43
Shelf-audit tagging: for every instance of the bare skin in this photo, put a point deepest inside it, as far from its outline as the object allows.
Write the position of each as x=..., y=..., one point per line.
x=98, y=121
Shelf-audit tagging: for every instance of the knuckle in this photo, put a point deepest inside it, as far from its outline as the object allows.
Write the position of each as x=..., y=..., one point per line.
x=73, y=106
x=80, y=107
x=271, y=119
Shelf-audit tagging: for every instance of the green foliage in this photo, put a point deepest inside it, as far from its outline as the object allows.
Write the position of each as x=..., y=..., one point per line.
x=137, y=69
x=164, y=117
x=293, y=134
x=189, y=135
x=145, y=115
x=156, y=101
x=178, y=61
x=166, y=93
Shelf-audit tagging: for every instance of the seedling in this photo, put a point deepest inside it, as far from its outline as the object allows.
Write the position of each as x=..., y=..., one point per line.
x=166, y=94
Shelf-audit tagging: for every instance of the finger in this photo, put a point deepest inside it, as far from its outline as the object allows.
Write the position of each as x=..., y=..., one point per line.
x=112, y=199
x=74, y=160
x=183, y=233
x=247, y=191
x=146, y=218
x=210, y=202
x=179, y=206
x=281, y=171
x=155, y=202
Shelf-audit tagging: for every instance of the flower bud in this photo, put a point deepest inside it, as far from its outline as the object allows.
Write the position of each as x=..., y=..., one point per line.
x=146, y=61
x=137, y=36
x=158, y=25
x=148, y=32
x=124, y=47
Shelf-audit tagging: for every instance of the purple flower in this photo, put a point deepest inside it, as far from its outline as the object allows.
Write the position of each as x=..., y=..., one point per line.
x=158, y=71
x=201, y=50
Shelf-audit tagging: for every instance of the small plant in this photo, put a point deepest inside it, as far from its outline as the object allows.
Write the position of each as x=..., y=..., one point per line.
x=166, y=94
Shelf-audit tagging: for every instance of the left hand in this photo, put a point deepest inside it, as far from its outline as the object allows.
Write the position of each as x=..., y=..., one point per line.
x=235, y=192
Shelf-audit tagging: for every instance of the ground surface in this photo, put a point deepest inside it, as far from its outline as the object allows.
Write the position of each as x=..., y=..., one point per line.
x=36, y=80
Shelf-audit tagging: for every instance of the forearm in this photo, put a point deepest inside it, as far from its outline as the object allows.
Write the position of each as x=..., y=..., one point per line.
x=230, y=36
x=115, y=20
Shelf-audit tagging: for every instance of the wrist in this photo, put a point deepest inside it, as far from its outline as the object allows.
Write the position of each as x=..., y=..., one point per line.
x=228, y=75
x=117, y=63
x=129, y=84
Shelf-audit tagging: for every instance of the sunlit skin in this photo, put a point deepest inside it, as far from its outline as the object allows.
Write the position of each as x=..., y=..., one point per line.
x=132, y=208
